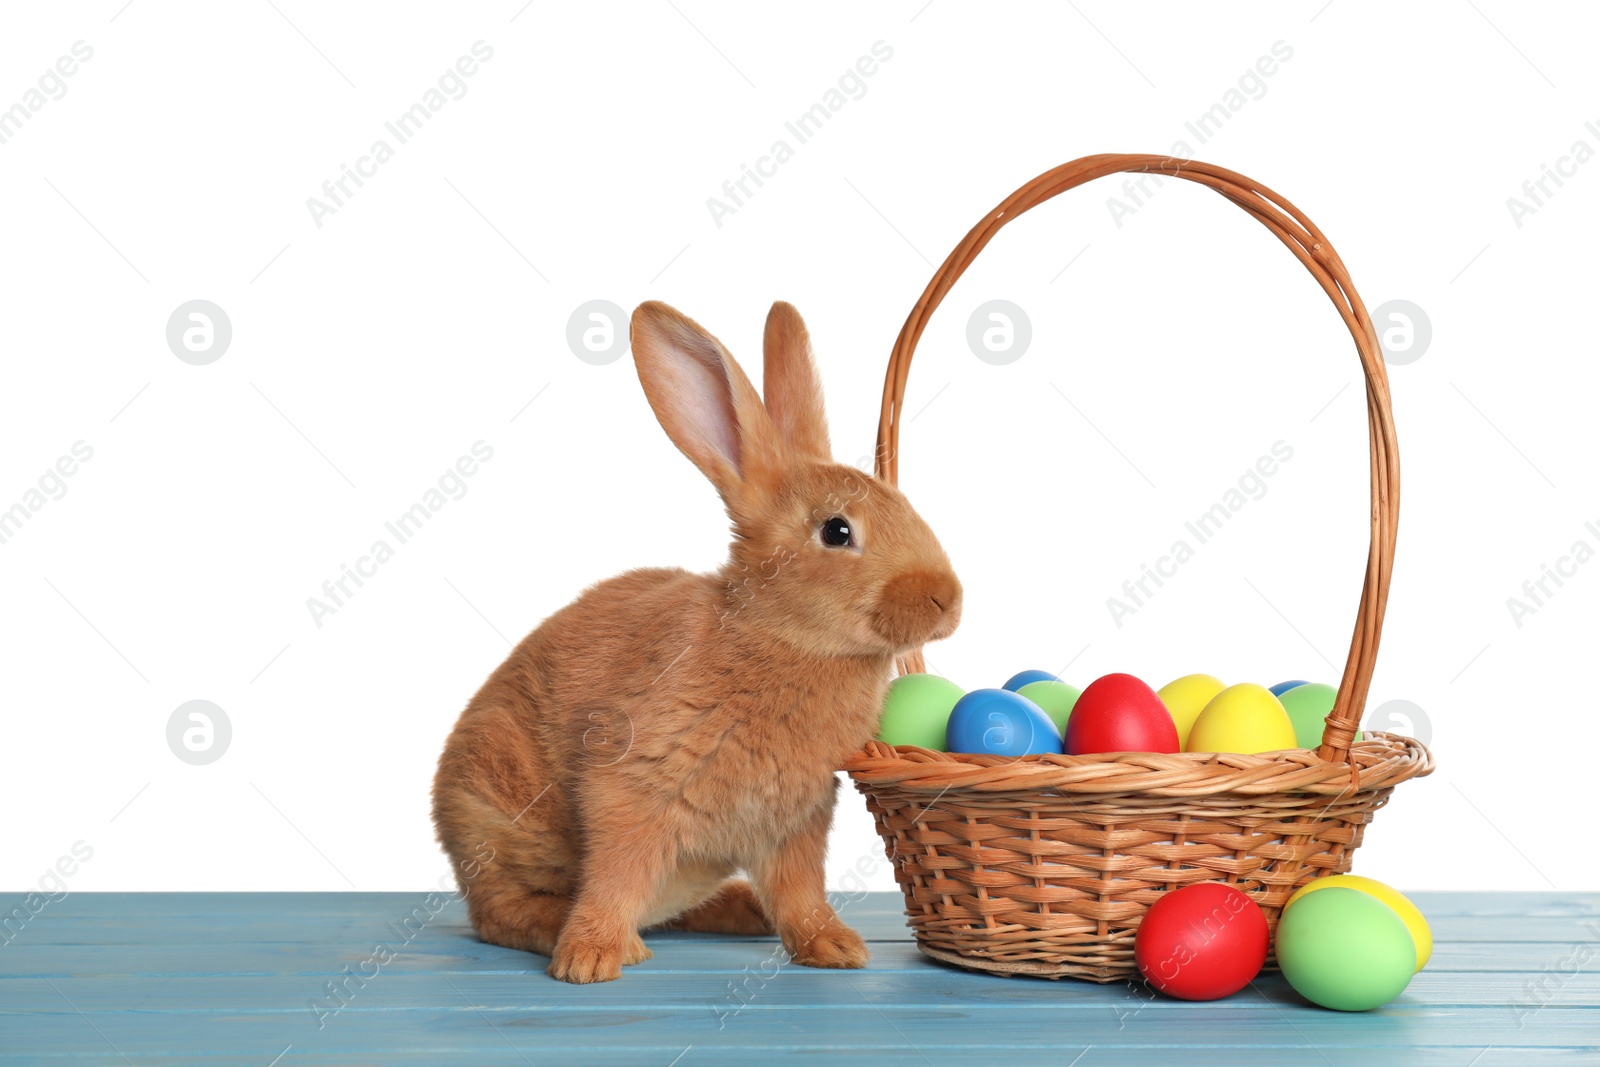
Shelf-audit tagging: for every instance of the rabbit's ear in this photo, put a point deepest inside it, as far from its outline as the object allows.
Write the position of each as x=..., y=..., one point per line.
x=704, y=401
x=793, y=390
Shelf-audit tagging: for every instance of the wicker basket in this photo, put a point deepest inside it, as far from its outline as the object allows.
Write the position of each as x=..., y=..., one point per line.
x=1044, y=865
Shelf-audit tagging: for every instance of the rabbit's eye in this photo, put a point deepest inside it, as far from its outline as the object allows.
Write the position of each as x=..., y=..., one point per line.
x=836, y=532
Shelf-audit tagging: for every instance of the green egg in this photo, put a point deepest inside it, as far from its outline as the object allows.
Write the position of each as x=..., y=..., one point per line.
x=1307, y=706
x=1345, y=949
x=917, y=709
x=1056, y=698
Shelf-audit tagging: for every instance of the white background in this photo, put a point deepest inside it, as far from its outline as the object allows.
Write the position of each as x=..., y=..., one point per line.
x=425, y=314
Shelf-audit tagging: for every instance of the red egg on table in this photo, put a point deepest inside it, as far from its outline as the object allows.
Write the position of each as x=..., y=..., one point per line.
x=1120, y=713
x=1201, y=942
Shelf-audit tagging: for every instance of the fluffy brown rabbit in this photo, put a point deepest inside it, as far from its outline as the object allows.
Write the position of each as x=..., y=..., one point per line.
x=667, y=729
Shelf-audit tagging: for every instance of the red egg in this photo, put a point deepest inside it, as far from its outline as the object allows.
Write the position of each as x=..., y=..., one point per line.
x=1201, y=942
x=1119, y=713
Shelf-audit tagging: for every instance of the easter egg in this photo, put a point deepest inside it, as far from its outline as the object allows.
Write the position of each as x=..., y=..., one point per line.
x=1308, y=705
x=1201, y=942
x=916, y=709
x=1119, y=713
x=1410, y=914
x=998, y=722
x=1283, y=687
x=1345, y=949
x=1022, y=678
x=1185, y=698
x=1242, y=718
x=1056, y=699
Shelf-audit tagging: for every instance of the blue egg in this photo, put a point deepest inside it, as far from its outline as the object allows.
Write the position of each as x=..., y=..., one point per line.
x=1022, y=678
x=1283, y=687
x=997, y=722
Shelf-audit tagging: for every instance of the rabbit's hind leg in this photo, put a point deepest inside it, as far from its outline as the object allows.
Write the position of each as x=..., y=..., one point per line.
x=507, y=913
x=518, y=918
x=517, y=877
x=732, y=910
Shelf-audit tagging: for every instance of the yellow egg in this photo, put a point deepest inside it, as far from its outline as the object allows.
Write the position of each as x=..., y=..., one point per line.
x=1409, y=913
x=1242, y=718
x=1185, y=698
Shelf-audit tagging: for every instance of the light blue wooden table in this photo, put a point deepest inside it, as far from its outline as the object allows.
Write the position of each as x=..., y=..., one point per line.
x=243, y=978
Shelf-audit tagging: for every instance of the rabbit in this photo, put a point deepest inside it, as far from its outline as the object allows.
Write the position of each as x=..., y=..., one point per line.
x=667, y=729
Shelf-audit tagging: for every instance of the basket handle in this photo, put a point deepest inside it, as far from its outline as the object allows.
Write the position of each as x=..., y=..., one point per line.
x=1314, y=252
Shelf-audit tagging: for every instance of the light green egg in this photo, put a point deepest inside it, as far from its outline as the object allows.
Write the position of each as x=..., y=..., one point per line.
x=1308, y=705
x=1345, y=949
x=1057, y=699
x=917, y=709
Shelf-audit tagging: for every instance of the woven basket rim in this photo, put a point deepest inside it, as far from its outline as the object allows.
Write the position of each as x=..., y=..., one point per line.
x=1380, y=761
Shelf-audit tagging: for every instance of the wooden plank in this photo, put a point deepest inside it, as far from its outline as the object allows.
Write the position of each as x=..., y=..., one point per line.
x=459, y=952
x=477, y=1022
x=747, y=1055
x=647, y=988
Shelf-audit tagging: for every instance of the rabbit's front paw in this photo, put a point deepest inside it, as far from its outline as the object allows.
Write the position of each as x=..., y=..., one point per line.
x=635, y=952
x=836, y=945
x=583, y=961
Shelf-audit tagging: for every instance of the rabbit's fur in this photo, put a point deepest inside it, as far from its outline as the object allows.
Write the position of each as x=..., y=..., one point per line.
x=667, y=729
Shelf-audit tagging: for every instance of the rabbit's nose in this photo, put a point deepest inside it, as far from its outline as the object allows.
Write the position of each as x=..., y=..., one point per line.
x=945, y=592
